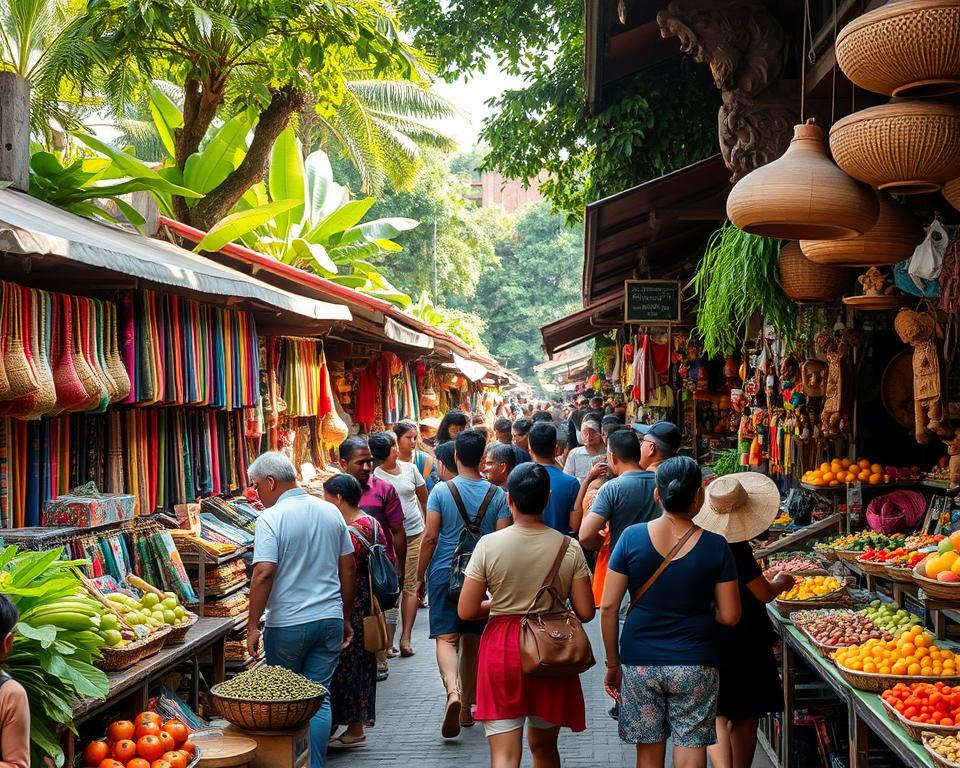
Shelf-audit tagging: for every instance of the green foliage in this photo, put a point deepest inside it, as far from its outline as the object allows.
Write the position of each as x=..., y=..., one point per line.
x=467, y=326
x=738, y=278
x=536, y=282
x=51, y=663
x=661, y=120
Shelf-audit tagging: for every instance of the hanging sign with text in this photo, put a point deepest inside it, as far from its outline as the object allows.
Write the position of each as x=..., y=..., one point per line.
x=651, y=301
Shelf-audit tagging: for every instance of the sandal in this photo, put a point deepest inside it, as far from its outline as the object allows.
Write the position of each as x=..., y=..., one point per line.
x=341, y=742
x=407, y=652
x=393, y=652
x=466, y=717
x=451, y=717
x=383, y=672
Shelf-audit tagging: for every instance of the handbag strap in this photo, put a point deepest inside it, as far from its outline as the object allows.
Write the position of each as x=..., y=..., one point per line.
x=661, y=568
x=473, y=525
x=548, y=582
x=362, y=536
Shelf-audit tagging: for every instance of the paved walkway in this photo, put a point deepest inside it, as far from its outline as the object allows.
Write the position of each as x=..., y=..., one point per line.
x=410, y=705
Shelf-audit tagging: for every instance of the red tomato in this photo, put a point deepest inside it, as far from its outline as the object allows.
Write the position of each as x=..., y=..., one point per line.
x=149, y=748
x=160, y=764
x=946, y=721
x=110, y=763
x=148, y=717
x=125, y=750
x=910, y=712
x=147, y=729
x=138, y=762
x=122, y=729
x=95, y=753
x=190, y=748
x=167, y=740
x=176, y=759
x=178, y=730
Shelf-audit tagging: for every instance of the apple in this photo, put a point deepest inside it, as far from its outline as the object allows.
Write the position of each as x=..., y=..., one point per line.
x=949, y=576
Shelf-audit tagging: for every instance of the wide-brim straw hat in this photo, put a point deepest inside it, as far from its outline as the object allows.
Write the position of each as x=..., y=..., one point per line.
x=432, y=422
x=740, y=506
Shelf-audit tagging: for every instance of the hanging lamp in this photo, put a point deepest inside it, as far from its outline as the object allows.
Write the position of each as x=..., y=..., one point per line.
x=803, y=195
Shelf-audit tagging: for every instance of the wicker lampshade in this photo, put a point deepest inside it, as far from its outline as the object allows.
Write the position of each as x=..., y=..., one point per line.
x=951, y=191
x=893, y=238
x=803, y=280
x=907, y=48
x=904, y=147
x=802, y=195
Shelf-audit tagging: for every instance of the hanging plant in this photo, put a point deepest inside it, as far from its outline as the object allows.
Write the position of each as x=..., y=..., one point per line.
x=738, y=277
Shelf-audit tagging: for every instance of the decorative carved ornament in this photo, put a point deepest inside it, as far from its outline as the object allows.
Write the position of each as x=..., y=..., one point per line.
x=743, y=45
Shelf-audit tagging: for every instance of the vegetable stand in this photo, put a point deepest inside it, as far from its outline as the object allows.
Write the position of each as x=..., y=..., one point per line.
x=133, y=685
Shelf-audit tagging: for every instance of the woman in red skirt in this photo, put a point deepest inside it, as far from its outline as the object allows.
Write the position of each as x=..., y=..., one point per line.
x=511, y=564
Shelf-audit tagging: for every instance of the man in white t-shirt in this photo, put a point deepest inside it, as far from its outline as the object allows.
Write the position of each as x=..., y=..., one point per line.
x=581, y=459
x=412, y=490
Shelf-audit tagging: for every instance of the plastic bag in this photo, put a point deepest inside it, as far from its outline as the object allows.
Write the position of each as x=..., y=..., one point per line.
x=928, y=257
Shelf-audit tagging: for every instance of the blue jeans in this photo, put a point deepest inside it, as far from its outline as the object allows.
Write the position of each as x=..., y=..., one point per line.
x=312, y=650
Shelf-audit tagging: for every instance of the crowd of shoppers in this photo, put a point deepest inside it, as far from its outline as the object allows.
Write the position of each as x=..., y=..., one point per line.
x=474, y=516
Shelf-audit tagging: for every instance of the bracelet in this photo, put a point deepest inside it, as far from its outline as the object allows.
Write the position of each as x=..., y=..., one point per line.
x=611, y=666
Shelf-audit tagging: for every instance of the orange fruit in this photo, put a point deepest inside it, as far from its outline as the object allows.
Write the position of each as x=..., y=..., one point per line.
x=146, y=729
x=178, y=730
x=95, y=753
x=828, y=476
x=148, y=717
x=150, y=748
x=875, y=479
x=125, y=750
x=121, y=729
x=138, y=762
x=176, y=759
x=845, y=463
x=876, y=469
x=169, y=743
x=864, y=475
x=825, y=467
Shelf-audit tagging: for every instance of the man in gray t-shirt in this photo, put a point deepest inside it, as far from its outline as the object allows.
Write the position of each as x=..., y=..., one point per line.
x=304, y=575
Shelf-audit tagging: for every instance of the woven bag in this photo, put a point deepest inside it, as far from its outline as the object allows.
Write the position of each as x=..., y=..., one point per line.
x=89, y=347
x=20, y=374
x=40, y=316
x=4, y=384
x=69, y=388
x=24, y=407
x=88, y=379
x=98, y=349
x=114, y=363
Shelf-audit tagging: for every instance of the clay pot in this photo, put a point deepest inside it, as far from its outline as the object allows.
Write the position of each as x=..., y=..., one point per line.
x=951, y=191
x=803, y=280
x=892, y=239
x=909, y=48
x=802, y=195
x=904, y=147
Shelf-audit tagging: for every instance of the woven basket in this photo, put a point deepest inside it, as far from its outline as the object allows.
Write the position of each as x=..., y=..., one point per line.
x=900, y=575
x=70, y=391
x=805, y=281
x=906, y=148
x=115, y=365
x=938, y=589
x=917, y=729
x=115, y=659
x=873, y=568
x=829, y=600
x=827, y=555
x=892, y=239
x=826, y=651
x=4, y=309
x=20, y=375
x=99, y=349
x=951, y=191
x=876, y=683
x=904, y=49
x=938, y=760
x=265, y=715
x=88, y=379
x=47, y=394
x=848, y=555
x=178, y=633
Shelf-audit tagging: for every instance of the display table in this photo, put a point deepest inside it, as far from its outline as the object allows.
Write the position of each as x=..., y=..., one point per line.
x=865, y=711
x=134, y=683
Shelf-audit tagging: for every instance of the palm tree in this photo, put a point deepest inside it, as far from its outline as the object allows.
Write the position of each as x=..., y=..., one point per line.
x=47, y=43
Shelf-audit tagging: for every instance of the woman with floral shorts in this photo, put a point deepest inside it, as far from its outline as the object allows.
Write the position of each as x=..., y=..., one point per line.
x=663, y=671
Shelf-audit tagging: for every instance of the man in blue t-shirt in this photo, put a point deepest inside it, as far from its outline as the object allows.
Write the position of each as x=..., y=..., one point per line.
x=563, y=488
x=440, y=540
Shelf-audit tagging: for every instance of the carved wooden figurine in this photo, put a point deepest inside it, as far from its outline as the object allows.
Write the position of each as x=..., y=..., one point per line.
x=919, y=329
x=953, y=451
x=836, y=347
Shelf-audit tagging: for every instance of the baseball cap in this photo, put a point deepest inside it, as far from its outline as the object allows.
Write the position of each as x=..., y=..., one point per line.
x=664, y=433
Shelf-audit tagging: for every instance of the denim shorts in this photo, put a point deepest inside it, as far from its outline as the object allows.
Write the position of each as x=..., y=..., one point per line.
x=659, y=702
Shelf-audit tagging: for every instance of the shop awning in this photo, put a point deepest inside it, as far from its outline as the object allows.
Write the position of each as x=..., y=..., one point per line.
x=404, y=335
x=580, y=326
x=470, y=369
x=34, y=229
x=655, y=230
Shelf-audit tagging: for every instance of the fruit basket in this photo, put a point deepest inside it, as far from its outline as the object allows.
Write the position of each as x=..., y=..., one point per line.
x=874, y=682
x=266, y=715
x=872, y=567
x=917, y=729
x=828, y=600
x=939, y=760
x=941, y=590
x=848, y=555
x=115, y=659
x=824, y=650
x=79, y=762
x=178, y=632
x=900, y=575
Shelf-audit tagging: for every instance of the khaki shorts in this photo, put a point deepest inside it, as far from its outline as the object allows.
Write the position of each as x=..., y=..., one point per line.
x=496, y=727
x=413, y=561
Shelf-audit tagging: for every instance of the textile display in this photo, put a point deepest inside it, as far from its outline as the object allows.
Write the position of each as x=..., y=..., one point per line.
x=299, y=371
x=60, y=354
x=183, y=352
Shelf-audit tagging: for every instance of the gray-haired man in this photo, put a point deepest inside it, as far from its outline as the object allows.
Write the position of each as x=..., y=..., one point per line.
x=304, y=575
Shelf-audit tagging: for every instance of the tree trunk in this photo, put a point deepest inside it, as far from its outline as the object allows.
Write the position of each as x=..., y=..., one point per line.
x=217, y=202
x=15, y=130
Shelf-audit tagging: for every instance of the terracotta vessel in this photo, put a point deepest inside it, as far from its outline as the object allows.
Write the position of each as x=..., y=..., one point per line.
x=893, y=238
x=803, y=280
x=951, y=191
x=802, y=195
x=904, y=147
x=908, y=48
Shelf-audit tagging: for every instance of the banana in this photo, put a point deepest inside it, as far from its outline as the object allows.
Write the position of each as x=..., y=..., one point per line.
x=67, y=620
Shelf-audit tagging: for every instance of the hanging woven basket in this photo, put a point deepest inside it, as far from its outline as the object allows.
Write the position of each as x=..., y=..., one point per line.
x=807, y=282
x=951, y=191
x=909, y=48
x=892, y=239
x=904, y=147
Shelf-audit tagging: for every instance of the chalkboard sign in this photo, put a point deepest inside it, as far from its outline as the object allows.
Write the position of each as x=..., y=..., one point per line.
x=651, y=301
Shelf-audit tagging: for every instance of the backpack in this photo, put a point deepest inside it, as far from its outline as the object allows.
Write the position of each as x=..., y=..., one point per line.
x=383, y=574
x=468, y=538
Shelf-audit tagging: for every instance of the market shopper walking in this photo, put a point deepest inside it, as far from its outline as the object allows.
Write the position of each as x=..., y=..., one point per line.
x=353, y=692
x=451, y=425
x=304, y=576
x=739, y=508
x=412, y=490
x=413, y=450
x=485, y=506
x=511, y=564
x=682, y=581
x=563, y=488
x=499, y=461
x=580, y=459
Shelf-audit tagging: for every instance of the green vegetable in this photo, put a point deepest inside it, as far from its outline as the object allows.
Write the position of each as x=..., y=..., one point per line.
x=55, y=645
x=726, y=462
x=268, y=683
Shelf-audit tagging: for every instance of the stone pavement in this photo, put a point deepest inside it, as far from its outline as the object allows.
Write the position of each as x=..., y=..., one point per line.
x=410, y=704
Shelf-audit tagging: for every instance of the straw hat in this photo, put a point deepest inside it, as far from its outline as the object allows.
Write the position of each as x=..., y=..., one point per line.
x=739, y=507
x=431, y=422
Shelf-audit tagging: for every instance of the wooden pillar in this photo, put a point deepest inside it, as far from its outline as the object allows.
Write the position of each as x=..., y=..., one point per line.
x=14, y=130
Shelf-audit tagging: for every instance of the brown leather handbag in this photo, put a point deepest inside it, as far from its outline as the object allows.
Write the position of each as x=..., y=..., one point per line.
x=554, y=643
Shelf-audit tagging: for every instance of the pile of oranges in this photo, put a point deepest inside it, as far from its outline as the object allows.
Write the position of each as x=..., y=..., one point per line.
x=912, y=654
x=809, y=587
x=147, y=742
x=843, y=471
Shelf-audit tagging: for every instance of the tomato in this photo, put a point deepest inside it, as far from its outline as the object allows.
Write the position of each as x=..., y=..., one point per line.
x=95, y=753
x=148, y=717
x=125, y=750
x=149, y=748
x=178, y=730
x=110, y=763
x=946, y=721
x=190, y=748
x=176, y=759
x=167, y=740
x=910, y=713
x=160, y=764
x=147, y=729
x=138, y=762
x=122, y=729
